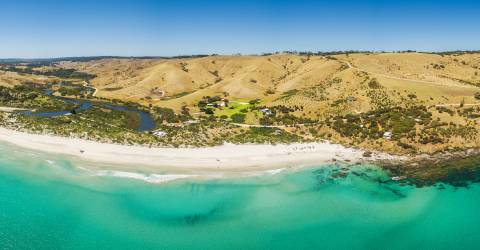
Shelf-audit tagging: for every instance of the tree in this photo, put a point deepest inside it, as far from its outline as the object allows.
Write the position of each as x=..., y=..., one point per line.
x=374, y=84
x=477, y=95
x=253, y=102
x=185, y=110
x=209, y=111
x=238, y=118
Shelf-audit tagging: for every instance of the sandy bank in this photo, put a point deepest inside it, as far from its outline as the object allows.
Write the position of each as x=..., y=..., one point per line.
x=10, y=110
x=226, y=158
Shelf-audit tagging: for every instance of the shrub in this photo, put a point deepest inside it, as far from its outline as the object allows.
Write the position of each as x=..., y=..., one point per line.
x=209, y=111
x=166, y=114
x=238, y=118
x=253, y=102
x=374, y=84
x=477, y=95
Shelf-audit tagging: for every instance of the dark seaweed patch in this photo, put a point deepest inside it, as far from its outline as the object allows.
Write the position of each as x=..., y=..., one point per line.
x=328, y=175
x=394, y=191
x=194, y=219
x=457, y=172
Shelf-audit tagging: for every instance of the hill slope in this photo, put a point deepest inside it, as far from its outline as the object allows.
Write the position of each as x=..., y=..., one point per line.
x=313, y=81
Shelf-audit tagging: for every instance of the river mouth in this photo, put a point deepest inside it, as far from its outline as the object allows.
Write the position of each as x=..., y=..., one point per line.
x=146, y=121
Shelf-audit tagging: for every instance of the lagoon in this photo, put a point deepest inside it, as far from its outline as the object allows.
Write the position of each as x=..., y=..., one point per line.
x=146, y=121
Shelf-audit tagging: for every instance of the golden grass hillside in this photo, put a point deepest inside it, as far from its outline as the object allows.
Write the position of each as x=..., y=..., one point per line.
x=188, y=80
x=315, y=82
x=321, y=85
x=10, y=79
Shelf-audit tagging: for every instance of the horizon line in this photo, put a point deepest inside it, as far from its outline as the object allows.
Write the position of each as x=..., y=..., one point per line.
x=332, y=52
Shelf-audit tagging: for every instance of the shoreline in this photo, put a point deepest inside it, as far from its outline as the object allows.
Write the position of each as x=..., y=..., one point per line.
x=228, y=158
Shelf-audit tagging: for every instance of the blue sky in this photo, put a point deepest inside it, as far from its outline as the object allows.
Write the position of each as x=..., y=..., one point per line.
x=33, y=29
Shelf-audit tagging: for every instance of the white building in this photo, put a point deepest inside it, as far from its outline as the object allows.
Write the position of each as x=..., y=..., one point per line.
x=387, y=135
x=192, y=122
x=266, y=111
x=159, y=133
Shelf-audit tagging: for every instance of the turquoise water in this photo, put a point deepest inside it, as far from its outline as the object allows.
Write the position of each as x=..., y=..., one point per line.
x=55, y=205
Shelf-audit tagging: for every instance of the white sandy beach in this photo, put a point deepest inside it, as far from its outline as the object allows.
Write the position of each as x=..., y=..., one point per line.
x=226, y=158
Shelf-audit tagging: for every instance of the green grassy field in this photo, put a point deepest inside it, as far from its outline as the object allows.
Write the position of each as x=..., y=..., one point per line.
x=240, y=106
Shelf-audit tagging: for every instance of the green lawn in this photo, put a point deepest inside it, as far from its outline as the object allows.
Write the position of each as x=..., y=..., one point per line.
x=237, y=106
x=233, y=107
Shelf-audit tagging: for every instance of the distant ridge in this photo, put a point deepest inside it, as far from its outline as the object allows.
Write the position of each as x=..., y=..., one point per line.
x=92, y=58
x=318, y=53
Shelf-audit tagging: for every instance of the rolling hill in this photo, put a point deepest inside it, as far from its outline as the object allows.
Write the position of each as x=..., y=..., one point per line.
x=315, y=82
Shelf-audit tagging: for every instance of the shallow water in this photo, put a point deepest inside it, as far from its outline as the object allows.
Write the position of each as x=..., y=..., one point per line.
x=47, y=202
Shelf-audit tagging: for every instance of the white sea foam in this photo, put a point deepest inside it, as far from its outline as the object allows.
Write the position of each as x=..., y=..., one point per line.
x=274, y=171
x=151, y=178
x=164, y=178
x=262, y=173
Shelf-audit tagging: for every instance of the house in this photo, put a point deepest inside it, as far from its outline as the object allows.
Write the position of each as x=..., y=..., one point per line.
x=351, y=99
x=192, y=122
x=159, y=133
x=387, y=135
x=174, y=125
x=158, y=91
x=266, y=111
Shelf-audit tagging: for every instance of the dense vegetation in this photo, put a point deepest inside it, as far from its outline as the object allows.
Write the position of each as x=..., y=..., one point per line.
x=23, y=96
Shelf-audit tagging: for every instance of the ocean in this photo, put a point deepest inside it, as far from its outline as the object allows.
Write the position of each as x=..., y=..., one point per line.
x=52, y=202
